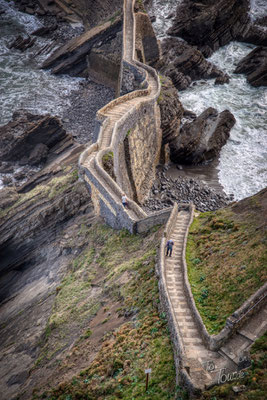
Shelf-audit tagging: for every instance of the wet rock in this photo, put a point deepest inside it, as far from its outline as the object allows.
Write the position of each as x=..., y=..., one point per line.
x=19, y=176
x=6, y=168
x=201, y=140
x=7, y=180
x=222, y=79
x=184, y=63
x=21, y=43
x=19, y=137
x=45, y=30
x=254, y=66
x=211, y=24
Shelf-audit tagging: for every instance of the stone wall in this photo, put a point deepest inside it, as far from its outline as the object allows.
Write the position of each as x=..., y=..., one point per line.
x=140, y=140
x=103, y=70
x=147, y=47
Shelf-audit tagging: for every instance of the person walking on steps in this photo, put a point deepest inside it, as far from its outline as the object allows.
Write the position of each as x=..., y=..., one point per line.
x=124, y=200
x=169, y=247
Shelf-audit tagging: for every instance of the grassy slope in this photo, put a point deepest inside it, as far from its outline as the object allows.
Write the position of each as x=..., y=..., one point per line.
x=226, y=257
x=140, y=342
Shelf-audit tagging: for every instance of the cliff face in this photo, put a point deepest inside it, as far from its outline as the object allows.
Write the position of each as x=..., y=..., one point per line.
x=36, y=229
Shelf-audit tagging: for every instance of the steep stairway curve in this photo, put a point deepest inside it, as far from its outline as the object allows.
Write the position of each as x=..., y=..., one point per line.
x=112, y=117
x=204, y=367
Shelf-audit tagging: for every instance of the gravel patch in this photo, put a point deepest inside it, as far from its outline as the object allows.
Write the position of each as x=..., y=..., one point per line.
x=79, y=118
x=166, y=191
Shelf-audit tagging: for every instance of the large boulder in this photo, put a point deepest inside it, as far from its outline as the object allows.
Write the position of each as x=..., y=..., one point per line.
x=184, y=63
x=254, y=66
x=19, y=138
x=210, y=24
x=201, y=140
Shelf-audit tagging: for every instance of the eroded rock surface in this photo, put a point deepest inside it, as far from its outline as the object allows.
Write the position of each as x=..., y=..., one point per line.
x=209, y=24
x=20, y=139
x=166, y=191
x=72, y=57
x=184, y=63
x=171, y=111
x=254, y=66
x=201, y=140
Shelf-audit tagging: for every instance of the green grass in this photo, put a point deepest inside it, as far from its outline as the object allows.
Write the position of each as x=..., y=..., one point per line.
x=226, y=258
x=117, y=372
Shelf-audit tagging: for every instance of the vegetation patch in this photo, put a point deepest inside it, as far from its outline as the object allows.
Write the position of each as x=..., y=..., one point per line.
x=142, y=341
x=226, y=258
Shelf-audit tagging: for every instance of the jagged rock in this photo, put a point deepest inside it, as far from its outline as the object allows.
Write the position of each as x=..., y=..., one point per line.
x=171, y=111
x=72, y=57
x=19, y=137
x=201, y=140
x=209, y=23
x=222, y=79
x=254, y=66
x=45, y=30
x=21, y=43
x=184, y=63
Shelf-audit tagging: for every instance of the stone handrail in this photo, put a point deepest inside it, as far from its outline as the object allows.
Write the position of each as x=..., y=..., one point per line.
x=108, y=189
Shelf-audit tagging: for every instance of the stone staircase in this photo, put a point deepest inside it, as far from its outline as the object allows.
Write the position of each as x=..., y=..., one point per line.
x=111, y=116
x=202, y=366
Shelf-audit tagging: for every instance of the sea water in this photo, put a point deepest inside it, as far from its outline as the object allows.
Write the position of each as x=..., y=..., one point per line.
x=243, y=160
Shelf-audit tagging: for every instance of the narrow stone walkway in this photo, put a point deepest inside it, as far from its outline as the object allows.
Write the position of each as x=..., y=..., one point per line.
x=203, y=365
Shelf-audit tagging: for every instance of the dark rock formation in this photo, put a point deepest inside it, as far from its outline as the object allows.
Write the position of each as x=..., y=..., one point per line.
x=8, y=196
x=166, y=191
x=21, y=43
x=184, y=63
x=62, y=10
x=171, y=111
x=256, y=34
x=201, y=140
x=21, y=138
x=254, y=66
x=45, y=30
x=211, y=24
x=72, y=57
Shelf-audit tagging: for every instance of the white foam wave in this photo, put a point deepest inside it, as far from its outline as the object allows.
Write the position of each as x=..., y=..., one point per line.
x=243, y=163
